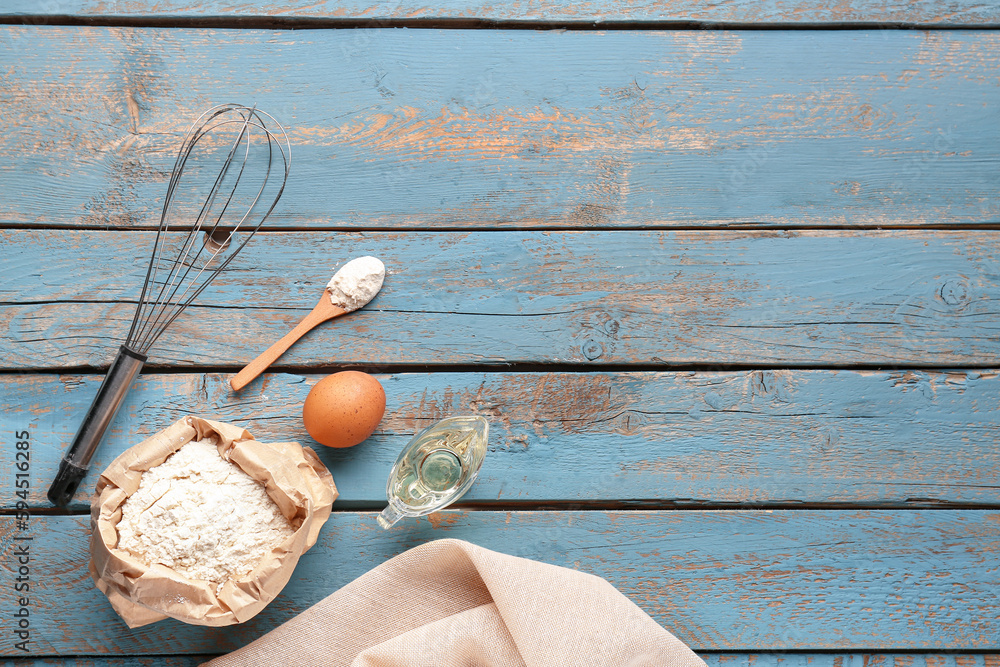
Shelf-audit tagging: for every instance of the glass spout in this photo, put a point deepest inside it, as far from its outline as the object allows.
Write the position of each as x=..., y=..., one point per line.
x=389, y=516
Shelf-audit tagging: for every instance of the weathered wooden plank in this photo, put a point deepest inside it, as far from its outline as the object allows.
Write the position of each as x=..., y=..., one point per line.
x=774, y=437
x=924, y=298
x=512, y=129
x=733, y=581
x=851, y=660
x=797, y=12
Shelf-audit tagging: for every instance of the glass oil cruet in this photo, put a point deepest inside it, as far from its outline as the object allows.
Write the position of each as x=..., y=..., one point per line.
x=436, y=468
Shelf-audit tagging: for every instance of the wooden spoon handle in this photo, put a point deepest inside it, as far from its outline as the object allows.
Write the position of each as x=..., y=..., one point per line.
x=323, y=311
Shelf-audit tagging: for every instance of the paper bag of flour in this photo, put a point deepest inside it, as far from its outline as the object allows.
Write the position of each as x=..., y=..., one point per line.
x=292, y=475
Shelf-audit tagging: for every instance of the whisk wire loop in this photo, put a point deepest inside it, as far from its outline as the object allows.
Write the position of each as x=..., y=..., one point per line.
x=177, y=275
x=191, y=137
x=172, y=284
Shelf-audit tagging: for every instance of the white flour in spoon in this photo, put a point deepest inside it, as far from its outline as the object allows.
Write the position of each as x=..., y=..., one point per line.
x=201, y=516
x=357, y=282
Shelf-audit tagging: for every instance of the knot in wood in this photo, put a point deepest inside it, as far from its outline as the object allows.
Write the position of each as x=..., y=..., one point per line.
x=592, y=350
x=955, y=292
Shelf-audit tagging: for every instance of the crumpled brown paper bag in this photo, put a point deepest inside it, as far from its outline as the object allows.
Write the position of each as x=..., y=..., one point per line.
x=295, y=479
x=449, y=603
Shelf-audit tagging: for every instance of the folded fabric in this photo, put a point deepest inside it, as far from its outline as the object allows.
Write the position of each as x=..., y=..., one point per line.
x=450, y=603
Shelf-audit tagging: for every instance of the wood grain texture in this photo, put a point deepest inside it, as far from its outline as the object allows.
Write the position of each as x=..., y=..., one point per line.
x=589, y=299
x=769, y=437
x=774, y=12
x=851, y=660
x=732, y=581
x=415, y=129
x=584, y=148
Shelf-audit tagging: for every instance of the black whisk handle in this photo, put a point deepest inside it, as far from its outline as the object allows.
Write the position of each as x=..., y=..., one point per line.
x=66, y=483
x=72, y=469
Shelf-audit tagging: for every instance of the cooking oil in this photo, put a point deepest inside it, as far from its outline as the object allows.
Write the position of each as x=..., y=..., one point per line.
x=436, y=468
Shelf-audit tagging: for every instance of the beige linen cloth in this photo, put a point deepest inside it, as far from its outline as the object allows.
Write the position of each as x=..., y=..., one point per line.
x=449, y=603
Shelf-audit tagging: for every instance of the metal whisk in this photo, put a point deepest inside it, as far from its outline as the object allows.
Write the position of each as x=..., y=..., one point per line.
x=241, y=149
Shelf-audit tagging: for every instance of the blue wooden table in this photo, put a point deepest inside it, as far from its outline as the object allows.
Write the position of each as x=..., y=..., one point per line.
x=724, y=277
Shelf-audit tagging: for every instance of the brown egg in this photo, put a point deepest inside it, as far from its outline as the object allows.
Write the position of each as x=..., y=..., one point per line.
x=343, y=409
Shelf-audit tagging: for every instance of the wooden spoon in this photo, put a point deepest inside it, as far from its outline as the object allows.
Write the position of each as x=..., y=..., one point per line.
x=352, y=286
x=324, y=310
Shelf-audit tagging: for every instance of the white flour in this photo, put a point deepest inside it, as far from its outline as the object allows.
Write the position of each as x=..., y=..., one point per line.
x=357, y=282
x=201, y=516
